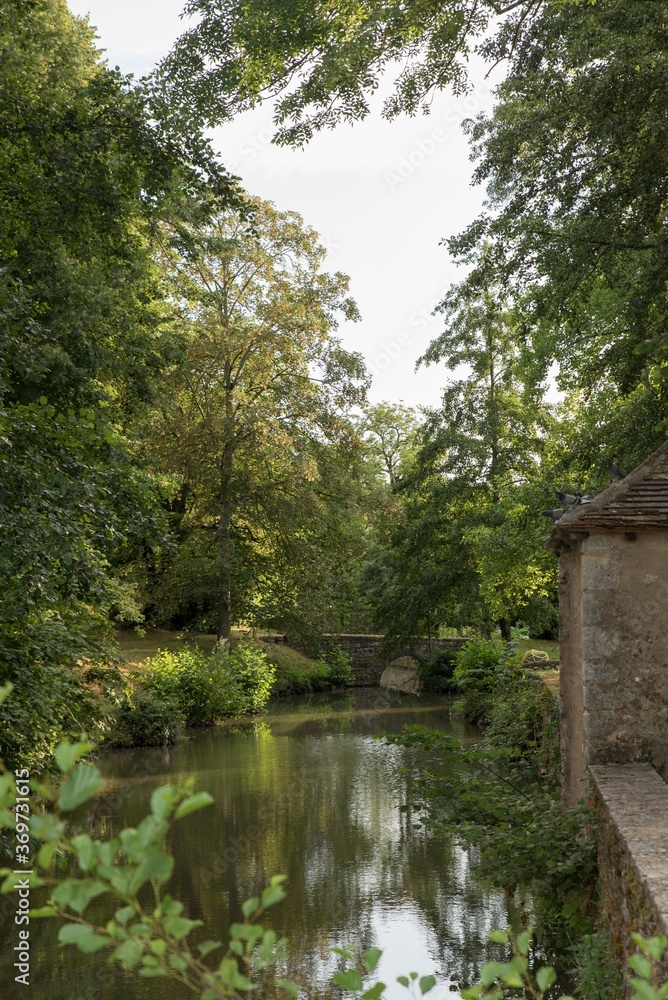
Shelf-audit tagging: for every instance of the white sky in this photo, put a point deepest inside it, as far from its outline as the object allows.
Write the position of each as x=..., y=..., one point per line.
x=381, y=194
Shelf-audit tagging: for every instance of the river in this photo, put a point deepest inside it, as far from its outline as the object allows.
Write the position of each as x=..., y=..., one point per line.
x=309, y=792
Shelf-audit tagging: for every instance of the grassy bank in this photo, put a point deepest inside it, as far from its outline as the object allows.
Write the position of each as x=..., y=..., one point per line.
x=295, y=673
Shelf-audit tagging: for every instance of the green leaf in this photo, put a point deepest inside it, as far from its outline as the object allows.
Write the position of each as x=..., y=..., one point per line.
x=657, y=947
x=499, y=936
x=83, y=937
x=92, y=943
x=343, y=952
x=176, y=962
x=490, y=972
x=643, y=990
x=15, y=882
x=250, y=906
x=206, y=947
x=545, y=978
x=272, y=896
x=289, y=987
x=524, y=942
x=86, y=851
x=350, y=980
x=83, y=783
x=404, y=981
x=179, y=927
x=163, y=801
x=46, y=853
x=641, y=965
x=67, y=754
x=128, y=953
x=427, y=983
x=374, y=992
x=148, y=835
x=371, y=958
x=77, y=893
x=124, y=914
x=43, y=911
x=192, y=804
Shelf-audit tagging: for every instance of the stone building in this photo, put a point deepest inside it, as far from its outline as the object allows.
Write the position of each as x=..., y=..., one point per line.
x=613, y=571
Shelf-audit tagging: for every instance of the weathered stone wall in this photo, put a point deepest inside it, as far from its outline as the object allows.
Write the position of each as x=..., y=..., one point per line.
x=630, y=803
x=614, y=652
x=368, y=655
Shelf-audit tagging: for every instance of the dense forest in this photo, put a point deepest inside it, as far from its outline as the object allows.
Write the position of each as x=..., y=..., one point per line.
x=184, y=440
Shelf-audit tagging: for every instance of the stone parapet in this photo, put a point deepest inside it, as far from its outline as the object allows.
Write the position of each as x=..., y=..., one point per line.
x=630, y=804
x=370, y=654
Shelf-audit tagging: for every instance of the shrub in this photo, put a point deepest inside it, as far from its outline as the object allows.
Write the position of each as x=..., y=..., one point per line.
x=340, y=668
x=478, y=665
x=251, y=674
x=191, y=680
x=145, y=719
x=436, y=674
x=474, y=706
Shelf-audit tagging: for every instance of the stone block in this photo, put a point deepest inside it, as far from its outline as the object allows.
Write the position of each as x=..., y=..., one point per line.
x=599, y=543
x=599, y=643
x=600, y=672
x=599, y=725
x=602, y=697
x=599, y=573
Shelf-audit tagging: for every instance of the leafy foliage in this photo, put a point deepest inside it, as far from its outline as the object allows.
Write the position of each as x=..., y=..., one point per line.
x=205, y=688
x=436, y=674
x=478, y=665
x=502, y=800
x=146, y=718
x=236, y=54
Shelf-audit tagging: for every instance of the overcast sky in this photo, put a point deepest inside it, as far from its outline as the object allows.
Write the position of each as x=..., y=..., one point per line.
x=381, y=194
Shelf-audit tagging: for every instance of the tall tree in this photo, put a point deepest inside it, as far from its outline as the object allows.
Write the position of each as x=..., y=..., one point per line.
x=260, y=398
x=85, y=174
x=575, y=159
x=390, y=431
x=468, y=549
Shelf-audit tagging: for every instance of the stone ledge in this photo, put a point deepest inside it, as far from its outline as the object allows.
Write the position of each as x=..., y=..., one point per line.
x=631, y=806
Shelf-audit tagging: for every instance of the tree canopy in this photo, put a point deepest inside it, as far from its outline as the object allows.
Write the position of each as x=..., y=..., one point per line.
x=323, y=61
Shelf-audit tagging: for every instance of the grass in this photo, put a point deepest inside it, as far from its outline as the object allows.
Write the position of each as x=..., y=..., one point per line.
x=548, y=646
x=295, y=673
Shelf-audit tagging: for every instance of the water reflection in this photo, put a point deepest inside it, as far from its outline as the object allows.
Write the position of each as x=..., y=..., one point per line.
x=310, y=793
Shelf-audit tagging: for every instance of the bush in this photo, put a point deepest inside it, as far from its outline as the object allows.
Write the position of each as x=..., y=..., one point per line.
x=340, y=668
x=197, y=684
x=251, y=674
x=146, y=719
x=436, y=675
x=206, y=688
x=474, y=706
x=478, y=665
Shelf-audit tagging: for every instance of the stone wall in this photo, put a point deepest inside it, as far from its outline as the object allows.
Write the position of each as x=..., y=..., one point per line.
x=614, y=652
x=630, y=803
x=368, y=654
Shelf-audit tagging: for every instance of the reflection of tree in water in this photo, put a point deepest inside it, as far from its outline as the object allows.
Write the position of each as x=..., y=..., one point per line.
x=317, y=804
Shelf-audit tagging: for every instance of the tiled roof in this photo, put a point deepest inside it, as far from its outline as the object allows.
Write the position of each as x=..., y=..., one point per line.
x=640, y=500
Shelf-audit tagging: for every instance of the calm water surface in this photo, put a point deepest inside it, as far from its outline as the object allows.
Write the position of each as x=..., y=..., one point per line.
x=310, y=793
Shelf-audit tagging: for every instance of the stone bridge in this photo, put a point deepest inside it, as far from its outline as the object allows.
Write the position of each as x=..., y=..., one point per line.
x=369, y=654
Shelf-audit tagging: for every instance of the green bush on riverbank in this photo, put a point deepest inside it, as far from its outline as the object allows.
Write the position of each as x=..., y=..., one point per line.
x=185, y=687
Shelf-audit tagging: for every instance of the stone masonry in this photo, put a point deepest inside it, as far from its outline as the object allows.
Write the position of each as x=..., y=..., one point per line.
x=369, y=654
x=613, y=606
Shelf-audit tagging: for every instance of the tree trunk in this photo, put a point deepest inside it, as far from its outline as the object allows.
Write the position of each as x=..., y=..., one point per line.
x=504, y=625
x=224, y=545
